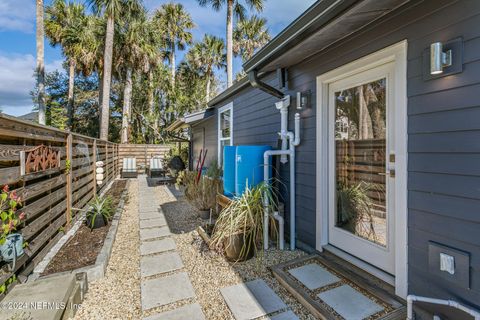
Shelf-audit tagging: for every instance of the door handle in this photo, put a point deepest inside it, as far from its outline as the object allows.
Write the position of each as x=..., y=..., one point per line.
x=390, y=173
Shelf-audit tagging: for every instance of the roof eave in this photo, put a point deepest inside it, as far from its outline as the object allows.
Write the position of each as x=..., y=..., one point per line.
x=319, y=14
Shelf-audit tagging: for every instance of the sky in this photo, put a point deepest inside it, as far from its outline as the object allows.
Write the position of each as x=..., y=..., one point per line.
x=18, y=46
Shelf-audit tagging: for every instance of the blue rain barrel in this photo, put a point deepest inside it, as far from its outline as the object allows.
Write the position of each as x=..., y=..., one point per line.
x=249, y=167
x=229, y=170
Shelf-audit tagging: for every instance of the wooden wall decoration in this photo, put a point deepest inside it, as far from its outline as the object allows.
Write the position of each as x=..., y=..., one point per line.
x=39, y=159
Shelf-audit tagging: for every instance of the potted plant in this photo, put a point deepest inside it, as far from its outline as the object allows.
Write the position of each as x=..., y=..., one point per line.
x=206, y=195
x=239, y=228
x=100, y=212
x=11, y=243
x=354, y=208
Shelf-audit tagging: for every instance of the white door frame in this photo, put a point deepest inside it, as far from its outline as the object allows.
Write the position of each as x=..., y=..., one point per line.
x=398, y=54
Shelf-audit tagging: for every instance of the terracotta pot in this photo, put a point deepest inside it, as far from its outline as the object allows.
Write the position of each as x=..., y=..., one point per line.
x=233, y=248
x=204, y=214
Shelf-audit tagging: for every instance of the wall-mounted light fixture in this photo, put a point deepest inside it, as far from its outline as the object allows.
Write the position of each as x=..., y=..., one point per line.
x=303, y=99
x=439, y=59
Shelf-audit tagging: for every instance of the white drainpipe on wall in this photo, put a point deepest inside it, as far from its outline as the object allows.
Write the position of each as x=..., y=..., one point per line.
x=293, y=140
x=454, y=304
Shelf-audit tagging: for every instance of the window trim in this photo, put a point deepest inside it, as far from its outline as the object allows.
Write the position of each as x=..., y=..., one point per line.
x=227, y=107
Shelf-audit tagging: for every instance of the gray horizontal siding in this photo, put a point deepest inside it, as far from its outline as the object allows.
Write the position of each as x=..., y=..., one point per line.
x=204, y=136
x=443, y=134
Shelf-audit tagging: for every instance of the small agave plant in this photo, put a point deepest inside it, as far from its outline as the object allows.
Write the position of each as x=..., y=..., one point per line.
x=101, y=211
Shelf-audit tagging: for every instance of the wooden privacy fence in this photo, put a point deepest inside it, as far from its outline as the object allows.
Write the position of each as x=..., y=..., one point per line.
x=142, y=152
x=51, y=180
x=363, y=160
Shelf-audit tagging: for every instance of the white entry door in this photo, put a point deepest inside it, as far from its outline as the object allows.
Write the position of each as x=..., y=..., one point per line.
x=361, y=165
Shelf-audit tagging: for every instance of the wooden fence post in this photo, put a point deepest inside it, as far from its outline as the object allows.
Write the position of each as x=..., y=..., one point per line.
x=94, y=167
x=68, y=151
x=106, y=162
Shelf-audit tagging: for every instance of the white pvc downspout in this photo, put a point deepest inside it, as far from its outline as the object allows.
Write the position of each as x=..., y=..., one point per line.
x=294, y=140
x=454, y=304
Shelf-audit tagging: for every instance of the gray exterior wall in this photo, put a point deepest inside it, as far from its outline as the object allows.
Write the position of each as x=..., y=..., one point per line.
x=204, y=136
x=443, y=136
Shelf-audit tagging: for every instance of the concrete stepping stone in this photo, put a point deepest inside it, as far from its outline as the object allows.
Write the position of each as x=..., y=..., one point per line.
x=153, y=265
x=252, y=299
x=150, y=215
x=153, y=233
x=149, y=208
x=157, y=246
x=349, y=303
x=152, y=223
x=287, y=315
x=313, y=276
x=166, y=290
x=190, y=312
x=53, y=290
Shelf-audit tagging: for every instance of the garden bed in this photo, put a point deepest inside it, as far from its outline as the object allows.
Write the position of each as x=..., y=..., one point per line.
x=84, y=247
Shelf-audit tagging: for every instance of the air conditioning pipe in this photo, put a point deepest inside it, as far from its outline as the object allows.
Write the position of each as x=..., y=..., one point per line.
x=454, y=304
x=293, y=141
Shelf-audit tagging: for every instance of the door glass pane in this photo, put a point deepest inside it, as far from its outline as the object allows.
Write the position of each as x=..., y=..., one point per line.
x=225, y=124
x=360, y=154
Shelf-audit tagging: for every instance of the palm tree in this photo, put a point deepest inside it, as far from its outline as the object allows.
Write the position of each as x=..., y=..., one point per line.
x=111, y=9
x=40, y=69
x=138, y=46
x=176, y=22
x=207, y=55
x=233, y=7
x=65, y=25
x=249, y=35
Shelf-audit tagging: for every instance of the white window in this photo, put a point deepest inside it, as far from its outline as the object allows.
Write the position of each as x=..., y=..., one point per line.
x=225, y=129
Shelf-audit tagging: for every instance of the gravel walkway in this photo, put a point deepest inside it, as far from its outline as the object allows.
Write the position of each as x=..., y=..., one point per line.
x=168, y=231
x=117, y=295
x=209, y=271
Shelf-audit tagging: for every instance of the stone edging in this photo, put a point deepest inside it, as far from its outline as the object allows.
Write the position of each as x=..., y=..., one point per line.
x=96, y=271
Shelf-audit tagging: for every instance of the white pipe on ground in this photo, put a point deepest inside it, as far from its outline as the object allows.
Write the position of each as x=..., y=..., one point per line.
x=454, y=304
x=281, y=229
x=266, y=178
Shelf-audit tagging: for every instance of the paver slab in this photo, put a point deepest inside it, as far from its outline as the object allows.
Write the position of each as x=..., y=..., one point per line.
x=153, y=233
x=34, y=296
x=349, y=303
x=157, y=246
x=313, y=276
x=190, y=312
x=162, y=291
x=287, y=315
x=158, y=264
x=150, y=215
x=252, y=299
x=149, y=208
x=152, y=223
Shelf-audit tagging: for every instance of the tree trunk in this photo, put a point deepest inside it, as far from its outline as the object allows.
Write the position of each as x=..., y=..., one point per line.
x=40, y=63
x=100, y=89
x=207, y=93
x=151, y=103
x=71, y=83
x=230, y=43
x=172, y=65
x=365, y=122
x=127, y=94
x=107, y=79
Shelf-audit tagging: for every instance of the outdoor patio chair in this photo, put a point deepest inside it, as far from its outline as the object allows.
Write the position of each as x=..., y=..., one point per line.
x=155, y=167
x=129, y=168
